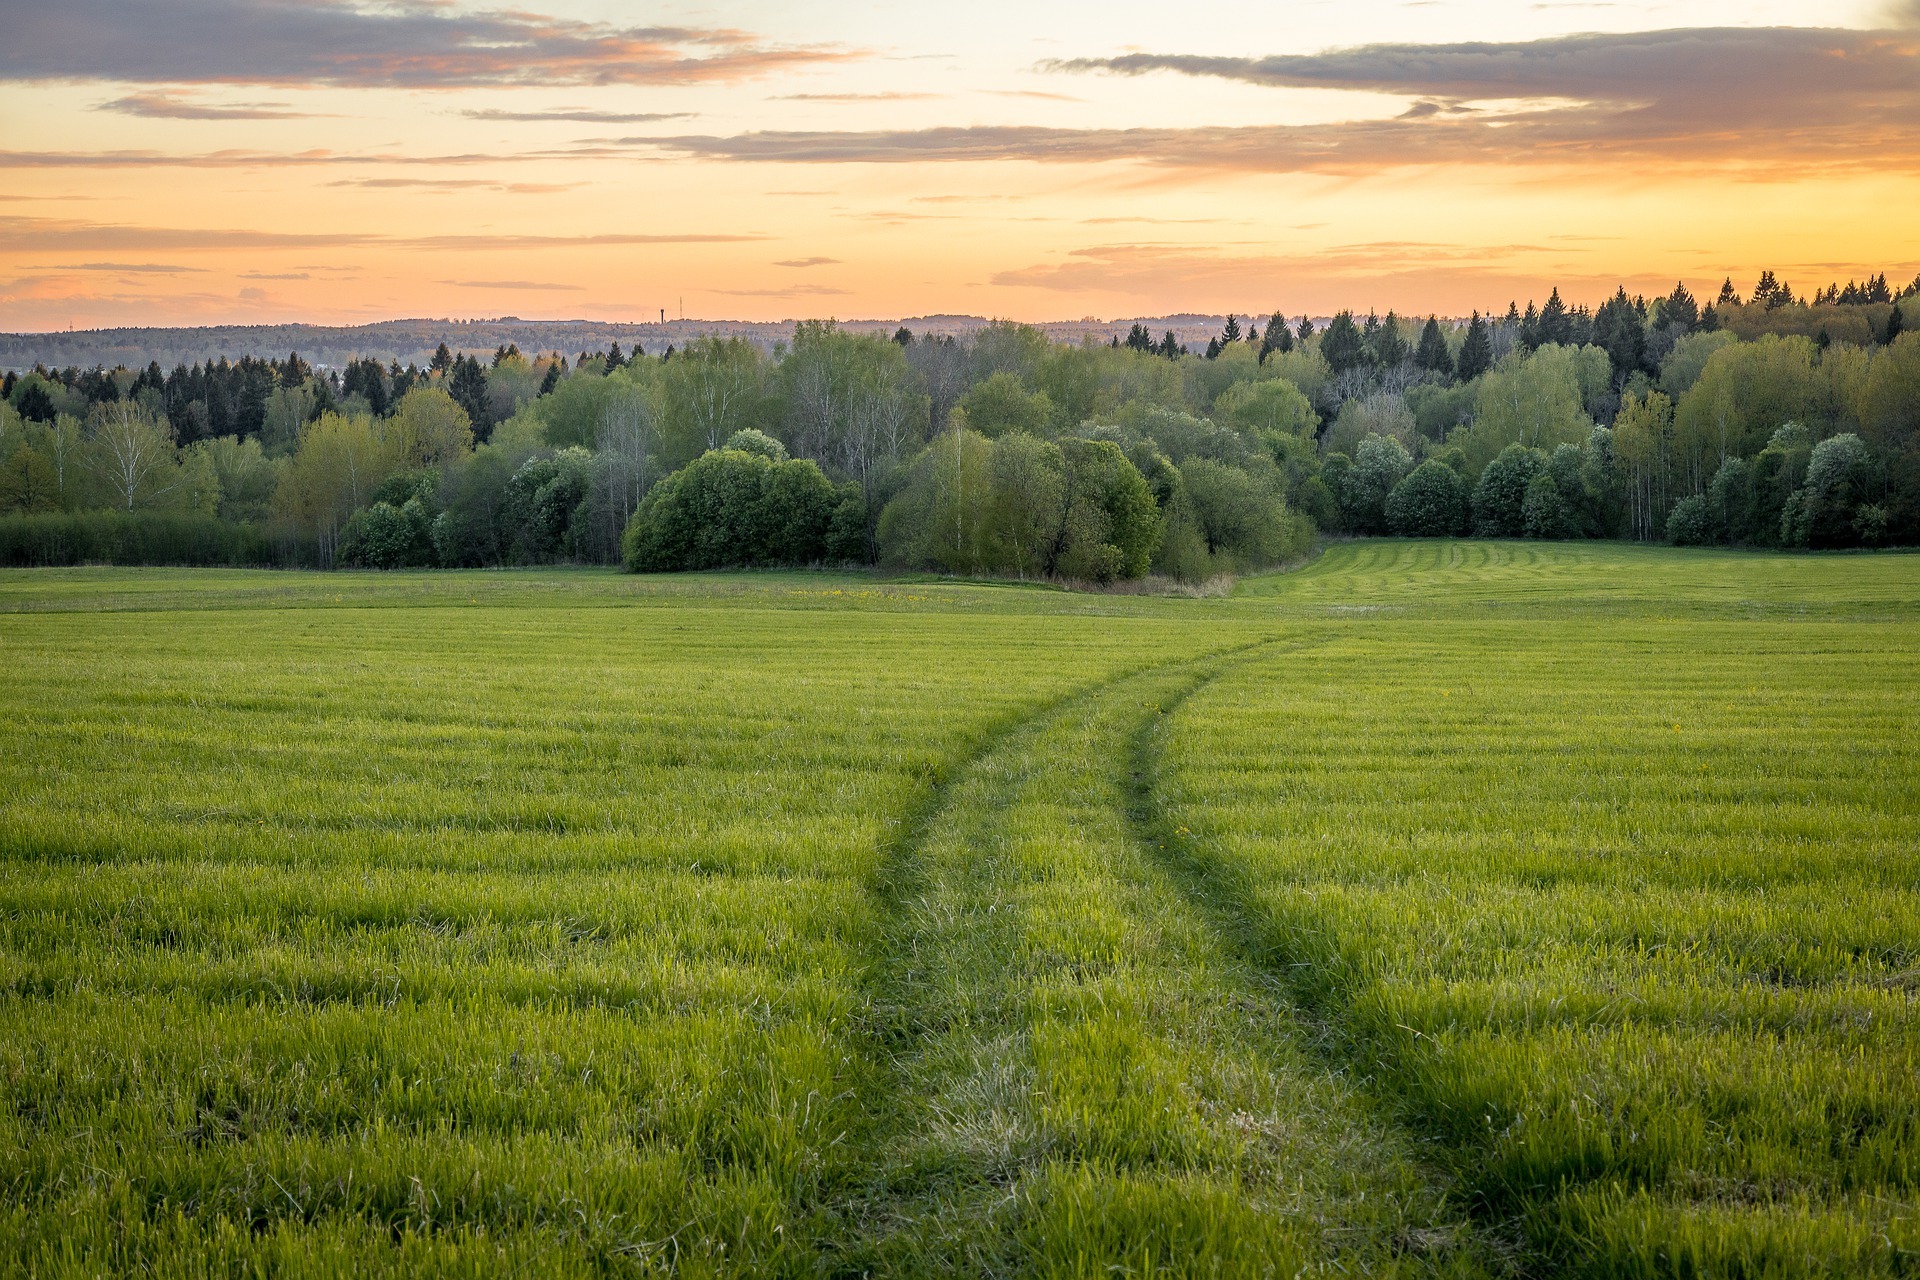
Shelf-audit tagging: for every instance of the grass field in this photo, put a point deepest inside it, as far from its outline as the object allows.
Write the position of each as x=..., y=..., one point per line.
x=1436, y=909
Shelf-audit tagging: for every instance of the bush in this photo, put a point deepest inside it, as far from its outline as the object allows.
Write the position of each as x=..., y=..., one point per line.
x=1690, y=523
x=1545, y=512
x=1500, y=497
x=144, y=538
x=384, y=536
x=1379, y=464
x=1430, y=503
x=728, y=508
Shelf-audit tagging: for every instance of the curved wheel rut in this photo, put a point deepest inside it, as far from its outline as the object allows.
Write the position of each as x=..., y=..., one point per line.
x=1073, y=1072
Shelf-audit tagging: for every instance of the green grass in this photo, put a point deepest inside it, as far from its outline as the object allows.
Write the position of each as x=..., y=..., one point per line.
x=1438, y=909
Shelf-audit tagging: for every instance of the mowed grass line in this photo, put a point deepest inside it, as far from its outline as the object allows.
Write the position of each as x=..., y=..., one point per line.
x=1082, y=1082
x=1626, y=922
x=431, y=939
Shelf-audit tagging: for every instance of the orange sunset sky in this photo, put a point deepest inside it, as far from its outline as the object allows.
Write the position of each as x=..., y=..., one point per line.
x=229, y=161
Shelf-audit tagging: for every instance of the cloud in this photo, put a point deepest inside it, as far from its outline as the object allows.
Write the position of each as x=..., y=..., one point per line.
x=1765, y=102
x=407, y=44
x=796, y=291
x=1041, y=95
x=809, y=262
x=855, y=97
x=18, y=233
x=167, y=106
x=580, y=117
x=1840, y=98
x=513, y=284
x=127, y=268
x=458, y=184
x=275, y=275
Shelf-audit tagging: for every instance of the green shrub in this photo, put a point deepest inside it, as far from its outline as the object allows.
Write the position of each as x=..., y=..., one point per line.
x=1545, y=512
x=1690, y=523
x=728, y=507
x=1430, y=503
x=1500, y=497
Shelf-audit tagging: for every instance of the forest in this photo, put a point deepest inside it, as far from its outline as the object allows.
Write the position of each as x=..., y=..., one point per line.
x=1764, y=420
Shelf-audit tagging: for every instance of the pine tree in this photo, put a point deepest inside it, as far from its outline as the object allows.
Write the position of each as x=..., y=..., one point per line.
x=1709, y=320
x=1728, y=298
x=1877, y=290
x=614, y=358
x=1530, y=328
x=1765, y=288
x=1554, y=325
x=1170, y=347
x=1344, y=345
x=1213, y=348
x=1476, y=351
x=552, y=380
x=1230, y=334
x=1896, y=324
x=1277, y=338
x=1680, y=308
x=1432, y=354
x=1305, y=331
x=442, y=362
x=1389, y=348
x=903, y=336
x=468, y=387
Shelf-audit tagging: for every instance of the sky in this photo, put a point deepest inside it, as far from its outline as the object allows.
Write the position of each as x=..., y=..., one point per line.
x=178, y=162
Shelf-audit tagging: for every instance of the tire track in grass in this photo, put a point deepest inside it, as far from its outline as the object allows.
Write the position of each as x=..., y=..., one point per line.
x=1222, y=894
x=1070, y=1074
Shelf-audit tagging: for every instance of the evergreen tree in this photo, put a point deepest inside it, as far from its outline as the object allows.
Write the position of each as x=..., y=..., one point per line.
x=1476, y=352
x=1305, y=330
x=1432, y=354
x=903, y=336
x=1680, y=308
x=1709, y=320
x=1230, y=334
x=1530, y=328
x=552, y=380
x=442, y=362
x=1877, y=290
x=1344, y=346
x=1138, y=339
x=1765, y=288
x=1277, y=338
x=1621, y=333
x=1389, y=348
x=1213, y=348
x=1170, y=347
x=468, y=387
x=614, y=358
x=1896, y=324
x=1554, y=324
x=1727, y=298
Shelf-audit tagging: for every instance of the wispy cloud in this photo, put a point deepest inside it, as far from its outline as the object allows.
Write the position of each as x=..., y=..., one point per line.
x=854, y=97
x=458, y=184
x=795, y=291
x=514, y=284
x=126, y=268
x=579, y=116
x=809, y=262
x=29, y=234
x=410, y=43
x=1761, y=101
x=169, y=106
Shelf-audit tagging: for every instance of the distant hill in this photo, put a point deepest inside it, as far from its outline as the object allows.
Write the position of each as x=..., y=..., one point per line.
x=414, y=340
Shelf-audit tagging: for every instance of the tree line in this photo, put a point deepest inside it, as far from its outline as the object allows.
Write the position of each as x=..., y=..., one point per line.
x=1744, y=420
